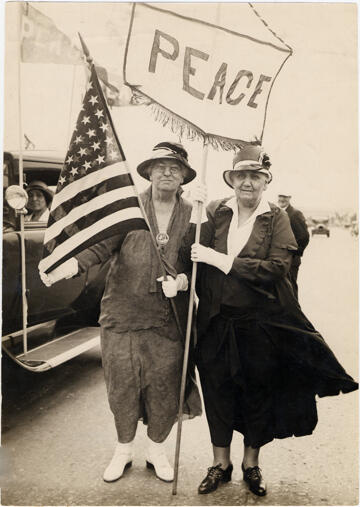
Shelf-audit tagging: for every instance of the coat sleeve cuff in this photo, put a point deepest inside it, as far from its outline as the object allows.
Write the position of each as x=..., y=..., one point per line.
x=182, y=282
x=226, y=264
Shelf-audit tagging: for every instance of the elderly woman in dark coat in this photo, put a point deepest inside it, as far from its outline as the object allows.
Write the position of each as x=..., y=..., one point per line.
x=261, y=362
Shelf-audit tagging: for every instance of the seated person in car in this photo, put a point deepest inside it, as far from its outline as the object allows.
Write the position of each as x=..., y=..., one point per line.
x=40, y=197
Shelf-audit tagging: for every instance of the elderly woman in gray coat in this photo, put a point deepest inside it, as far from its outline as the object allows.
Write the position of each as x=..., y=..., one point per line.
x=142, y=347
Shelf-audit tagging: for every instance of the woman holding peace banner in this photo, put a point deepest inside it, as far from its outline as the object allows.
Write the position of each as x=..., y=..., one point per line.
x=261, y=362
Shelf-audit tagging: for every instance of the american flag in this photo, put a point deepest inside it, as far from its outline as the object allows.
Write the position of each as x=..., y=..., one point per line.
x=95, y=196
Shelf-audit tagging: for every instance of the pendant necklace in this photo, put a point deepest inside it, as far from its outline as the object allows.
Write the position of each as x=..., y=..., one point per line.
x=162, y=237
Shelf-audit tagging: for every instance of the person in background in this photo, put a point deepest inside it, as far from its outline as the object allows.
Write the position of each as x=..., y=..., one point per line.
x=40, y=198
x=142, y=348
x=301, y=233
x=261, y=362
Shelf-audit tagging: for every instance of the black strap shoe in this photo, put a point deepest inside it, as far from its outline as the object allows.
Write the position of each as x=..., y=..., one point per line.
x=253, y=477
x=215, y=475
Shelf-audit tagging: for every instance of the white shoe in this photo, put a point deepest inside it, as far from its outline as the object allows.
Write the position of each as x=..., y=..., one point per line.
x=156, y=459
x=121, y=460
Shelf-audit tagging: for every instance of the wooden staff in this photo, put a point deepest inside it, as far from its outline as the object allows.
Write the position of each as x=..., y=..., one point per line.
x=189, y=323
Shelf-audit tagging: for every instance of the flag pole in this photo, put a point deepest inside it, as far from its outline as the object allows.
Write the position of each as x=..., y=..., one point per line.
x=189, y=323
x=74, y=72
x=91, y=64
x=21, y=184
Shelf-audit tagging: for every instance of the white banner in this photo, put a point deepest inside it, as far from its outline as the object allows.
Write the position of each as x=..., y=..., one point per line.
x=213, y=78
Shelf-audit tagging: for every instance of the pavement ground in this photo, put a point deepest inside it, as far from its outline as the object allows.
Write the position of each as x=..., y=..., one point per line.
x=58, y=432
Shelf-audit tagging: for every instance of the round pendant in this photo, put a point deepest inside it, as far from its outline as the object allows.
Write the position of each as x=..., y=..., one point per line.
x=162, y=238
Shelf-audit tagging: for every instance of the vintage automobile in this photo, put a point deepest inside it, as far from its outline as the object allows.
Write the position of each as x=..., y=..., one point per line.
x=320, y=226
x=61, y=320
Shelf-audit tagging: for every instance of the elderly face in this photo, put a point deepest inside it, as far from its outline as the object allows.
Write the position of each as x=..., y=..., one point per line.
x=37, y=201
x=248, y=186
x=166, y=174
x=283, y=201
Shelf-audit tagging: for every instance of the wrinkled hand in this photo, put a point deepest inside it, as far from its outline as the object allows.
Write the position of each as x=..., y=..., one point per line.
x=199, y=193
x=200, y=253
x=171, y=286
x=67, y=270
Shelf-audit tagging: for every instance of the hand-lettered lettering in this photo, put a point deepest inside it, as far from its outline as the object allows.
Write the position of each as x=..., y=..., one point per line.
x=258, y=90
x=188, y=70
x=219, y=82
x=233, y=85
x=155, y=50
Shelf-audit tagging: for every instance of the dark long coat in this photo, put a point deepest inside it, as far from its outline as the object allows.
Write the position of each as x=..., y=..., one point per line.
x=259, y=273
x=300, y=230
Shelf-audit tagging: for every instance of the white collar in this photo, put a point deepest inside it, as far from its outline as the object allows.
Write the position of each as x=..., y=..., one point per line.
x=263, y=207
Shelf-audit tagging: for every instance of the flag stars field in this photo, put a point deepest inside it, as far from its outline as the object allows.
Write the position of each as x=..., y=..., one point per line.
x=94, y=166
x=93, y=100
x=82, y=152
x=87, y=165
x=100, y=159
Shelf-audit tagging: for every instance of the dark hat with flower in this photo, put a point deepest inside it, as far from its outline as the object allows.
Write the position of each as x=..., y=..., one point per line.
x=249, y=158
x=167, y=150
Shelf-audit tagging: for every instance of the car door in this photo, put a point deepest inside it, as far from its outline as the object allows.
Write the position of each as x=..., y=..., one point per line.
x=44, y=303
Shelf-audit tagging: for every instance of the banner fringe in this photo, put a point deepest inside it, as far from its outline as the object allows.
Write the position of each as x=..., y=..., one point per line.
x=183, y=129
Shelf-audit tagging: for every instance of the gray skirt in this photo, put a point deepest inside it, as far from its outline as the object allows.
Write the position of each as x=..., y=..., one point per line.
x=143, y=375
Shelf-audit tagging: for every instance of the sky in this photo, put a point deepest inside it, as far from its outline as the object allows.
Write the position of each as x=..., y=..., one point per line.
x=311, y=132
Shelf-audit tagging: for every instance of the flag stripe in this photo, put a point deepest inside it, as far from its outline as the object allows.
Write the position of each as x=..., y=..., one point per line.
x=120, y=229
x=98, y=202
x=88, y=181
x=85, y=221
x=122, y=181
x=78, y=239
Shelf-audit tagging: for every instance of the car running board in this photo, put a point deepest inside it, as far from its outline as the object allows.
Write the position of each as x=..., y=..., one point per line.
x=57, y=351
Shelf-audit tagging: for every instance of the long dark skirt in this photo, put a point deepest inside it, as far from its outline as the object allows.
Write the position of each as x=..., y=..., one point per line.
x=260, y=375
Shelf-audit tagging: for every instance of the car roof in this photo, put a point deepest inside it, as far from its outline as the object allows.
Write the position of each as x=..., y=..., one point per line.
x=49, y=156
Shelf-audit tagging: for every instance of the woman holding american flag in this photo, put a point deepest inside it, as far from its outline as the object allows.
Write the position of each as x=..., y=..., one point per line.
x=142, y=347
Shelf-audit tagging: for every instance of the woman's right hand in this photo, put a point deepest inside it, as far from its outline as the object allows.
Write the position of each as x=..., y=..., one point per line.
x=199, y=193
x=66, y=270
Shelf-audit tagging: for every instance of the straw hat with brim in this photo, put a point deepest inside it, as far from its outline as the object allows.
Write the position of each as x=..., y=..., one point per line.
x=250, y=158
x=40, y=185
x=168, y=150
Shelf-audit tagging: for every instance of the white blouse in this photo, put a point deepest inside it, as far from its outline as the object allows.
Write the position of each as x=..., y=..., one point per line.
x=239, y=235
x=44, y=217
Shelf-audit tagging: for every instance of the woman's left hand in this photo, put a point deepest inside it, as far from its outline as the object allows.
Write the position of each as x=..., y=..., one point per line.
x=171, y=287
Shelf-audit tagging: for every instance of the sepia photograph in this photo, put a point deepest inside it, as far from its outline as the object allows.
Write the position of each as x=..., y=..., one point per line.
x=179, y=254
